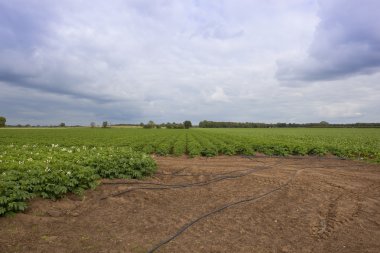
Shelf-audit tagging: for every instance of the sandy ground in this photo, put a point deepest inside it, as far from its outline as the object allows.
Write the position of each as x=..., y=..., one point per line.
x=220, y=204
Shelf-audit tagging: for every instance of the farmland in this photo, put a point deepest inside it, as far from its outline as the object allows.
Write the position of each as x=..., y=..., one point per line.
x=52, y=162
x=149, y=175
x=345, y=143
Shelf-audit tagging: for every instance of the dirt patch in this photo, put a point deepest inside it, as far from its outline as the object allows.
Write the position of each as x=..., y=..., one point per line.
x=220, y=204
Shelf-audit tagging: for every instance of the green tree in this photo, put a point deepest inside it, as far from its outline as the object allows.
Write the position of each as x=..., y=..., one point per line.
x=92, y=124
x=105, y=124
x=62, y=124
x=2, y=121
x=187, y=124
x=150, y=124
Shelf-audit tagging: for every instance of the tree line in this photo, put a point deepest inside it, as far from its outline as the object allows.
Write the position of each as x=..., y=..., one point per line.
x=185, y=125
x=221, y=124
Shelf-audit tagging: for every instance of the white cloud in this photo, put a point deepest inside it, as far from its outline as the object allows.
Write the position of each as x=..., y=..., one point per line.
x=219, y=96
x=340, y=110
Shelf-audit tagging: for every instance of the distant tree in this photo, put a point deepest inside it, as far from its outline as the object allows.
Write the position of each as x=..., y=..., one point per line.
x=281, y=124
x=105, y=124
x=187, y=124
x=62, y=124
x=150, y=124
x=2, y=121
x=142, y=124
x=92, y=124
x=324, y=123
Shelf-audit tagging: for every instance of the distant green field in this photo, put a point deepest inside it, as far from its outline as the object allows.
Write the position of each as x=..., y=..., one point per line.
x=348, y=142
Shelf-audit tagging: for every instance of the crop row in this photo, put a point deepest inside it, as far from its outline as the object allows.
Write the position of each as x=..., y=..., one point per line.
x=52, y=171
x=348, y=143
x=203, y=143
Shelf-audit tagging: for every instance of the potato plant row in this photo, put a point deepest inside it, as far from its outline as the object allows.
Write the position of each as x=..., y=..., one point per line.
x=348, y=143
x=52, y=171
x=210, y=143
x=213, y=143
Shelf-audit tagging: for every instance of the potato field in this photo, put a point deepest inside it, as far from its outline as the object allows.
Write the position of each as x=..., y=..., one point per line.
x=51, y=162
x=344, y=143
x=160, y=184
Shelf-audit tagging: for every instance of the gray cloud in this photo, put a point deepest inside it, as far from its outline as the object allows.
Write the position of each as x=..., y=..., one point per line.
x=36, y=107
x=346, y=43
x=24, y=23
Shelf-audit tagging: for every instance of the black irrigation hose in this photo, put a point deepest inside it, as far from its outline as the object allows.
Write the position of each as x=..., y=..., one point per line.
x=218, y=178
x=184, y=228
x=182, y=175
x=208, y=174
x=176, y=186
x=200, y=174
x=318, y=158
x=253, y=198
x=251, y=157
x=338, y=166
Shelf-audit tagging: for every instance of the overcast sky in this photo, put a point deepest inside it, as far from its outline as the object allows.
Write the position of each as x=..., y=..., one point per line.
x=130, y=61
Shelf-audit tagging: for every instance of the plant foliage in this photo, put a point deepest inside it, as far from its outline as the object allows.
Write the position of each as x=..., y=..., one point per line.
x=52, y=171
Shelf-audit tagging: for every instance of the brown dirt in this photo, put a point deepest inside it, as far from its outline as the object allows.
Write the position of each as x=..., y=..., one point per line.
x=304, y=205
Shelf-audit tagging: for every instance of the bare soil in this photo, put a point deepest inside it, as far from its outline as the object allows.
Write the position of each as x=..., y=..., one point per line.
x=220, y=204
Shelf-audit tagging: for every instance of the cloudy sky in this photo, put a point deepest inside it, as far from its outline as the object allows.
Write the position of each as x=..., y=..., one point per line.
x=130, y=61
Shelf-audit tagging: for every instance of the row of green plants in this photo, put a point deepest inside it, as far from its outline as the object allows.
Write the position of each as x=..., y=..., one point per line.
x=348, y=143
x=201, y=143
x=29, y=171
